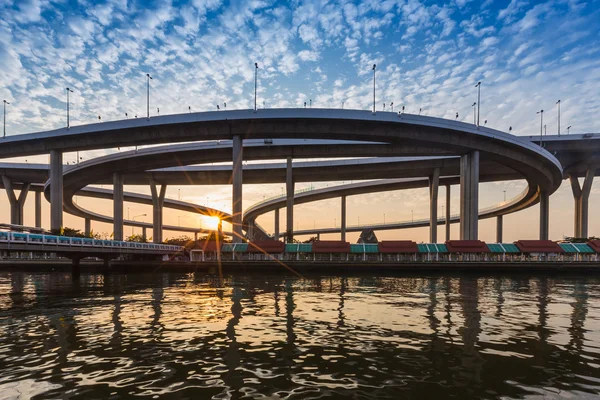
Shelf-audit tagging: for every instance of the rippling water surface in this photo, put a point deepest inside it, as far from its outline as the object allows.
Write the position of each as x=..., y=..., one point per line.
x=184, y=336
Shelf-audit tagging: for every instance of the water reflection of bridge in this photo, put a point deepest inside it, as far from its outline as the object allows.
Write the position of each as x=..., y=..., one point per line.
x=473, y=336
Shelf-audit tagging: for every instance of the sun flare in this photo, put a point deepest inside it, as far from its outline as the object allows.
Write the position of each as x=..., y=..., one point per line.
x=211, y=222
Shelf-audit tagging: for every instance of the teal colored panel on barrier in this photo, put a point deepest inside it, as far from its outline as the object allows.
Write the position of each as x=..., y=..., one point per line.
x=441, y=248
x=227, y=248
x=357, y=248
x=495, y=248
x=511, y=248
x=568, y=247
x=583, y=248
x=240, y=247
x=371, y=248
x=298, y=247
x=576, y=248
x=422, y=248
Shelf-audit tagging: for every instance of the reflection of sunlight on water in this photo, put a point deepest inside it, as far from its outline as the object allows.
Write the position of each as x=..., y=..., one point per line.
x=25, y=389
x=277, y=336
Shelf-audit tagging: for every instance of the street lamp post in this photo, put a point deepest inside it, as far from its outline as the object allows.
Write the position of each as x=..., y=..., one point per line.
x=392, y=105
x=148, y=95
x=5, y=103
x=541, y=112
x=374, y=66
x=568, y=129
x=558, y=103
x=474, y=120
x=255, y=83
x=478, y=86
x=141, y=215
x=68, y=90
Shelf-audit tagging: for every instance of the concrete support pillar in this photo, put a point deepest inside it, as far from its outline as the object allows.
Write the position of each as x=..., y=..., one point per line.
x=16, y=203
x=499, y=228
x=118, y=199
x=581, y=196
x=544, y=214
x=469, y=196
x=250, y=232
x=88, y=227
x=56, y=190
x=343, y=219
x=158, y=199
x=237, y=180
x=434, y=184
x=289, y=205
x=38, y=209
x=276, y=224
x=448, y=193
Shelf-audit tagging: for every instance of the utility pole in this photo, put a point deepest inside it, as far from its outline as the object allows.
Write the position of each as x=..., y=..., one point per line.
x=5, y=103
x=148, y=95
x=558, y=103
x=68, y=90
x=374, y=66
x=255, y=83
x=478, y=86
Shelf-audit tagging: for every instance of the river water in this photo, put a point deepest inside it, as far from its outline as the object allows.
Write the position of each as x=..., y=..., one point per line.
x=254, y=336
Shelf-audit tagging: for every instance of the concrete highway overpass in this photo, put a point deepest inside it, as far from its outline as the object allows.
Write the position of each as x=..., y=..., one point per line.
x=399, y=146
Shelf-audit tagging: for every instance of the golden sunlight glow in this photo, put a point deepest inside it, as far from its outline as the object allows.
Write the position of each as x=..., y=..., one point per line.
x=211, y=222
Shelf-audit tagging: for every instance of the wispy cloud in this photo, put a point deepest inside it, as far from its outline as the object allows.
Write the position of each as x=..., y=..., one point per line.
x=202, y=53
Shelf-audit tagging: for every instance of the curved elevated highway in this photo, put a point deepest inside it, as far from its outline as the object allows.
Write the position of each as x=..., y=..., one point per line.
x=442, y=151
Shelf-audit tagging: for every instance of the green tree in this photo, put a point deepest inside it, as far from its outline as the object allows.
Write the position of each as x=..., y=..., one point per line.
x=179, y=241
x=136, y=238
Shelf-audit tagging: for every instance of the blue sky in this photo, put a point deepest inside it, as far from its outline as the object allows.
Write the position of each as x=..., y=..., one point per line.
x=201, y=53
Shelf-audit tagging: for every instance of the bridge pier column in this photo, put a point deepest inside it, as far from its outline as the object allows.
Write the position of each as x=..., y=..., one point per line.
x=469, y=195
x=76, y=266
x=499, y=228
x=581, y=196
x=158, y=199
x=434, y=183
x=38, y=209
x=544, y=214
x=250, y=232
x=16, y=203
x=88, y=227
x=118, y=199
x=237, y=181
x=343, y=219
x=56, y=190
x=276, y=235
x=448, y=193
x=289, y=205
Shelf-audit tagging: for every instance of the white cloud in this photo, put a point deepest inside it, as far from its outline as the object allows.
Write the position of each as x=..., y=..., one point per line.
x=308, y=55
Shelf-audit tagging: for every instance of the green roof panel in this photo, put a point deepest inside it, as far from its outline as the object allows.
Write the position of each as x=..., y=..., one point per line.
x=583, y=248
x=576, y=248
x=298, y=247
